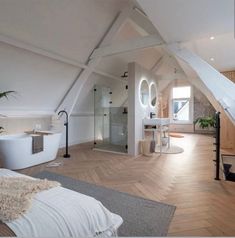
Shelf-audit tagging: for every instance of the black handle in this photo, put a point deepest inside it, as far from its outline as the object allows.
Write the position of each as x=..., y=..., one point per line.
x=217, y=154
x=152, y=114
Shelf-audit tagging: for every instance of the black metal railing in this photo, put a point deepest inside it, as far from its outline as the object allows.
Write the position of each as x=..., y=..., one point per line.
x=217, y=145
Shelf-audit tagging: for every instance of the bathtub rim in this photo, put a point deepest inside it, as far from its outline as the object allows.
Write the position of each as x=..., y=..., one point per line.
x=20, y=136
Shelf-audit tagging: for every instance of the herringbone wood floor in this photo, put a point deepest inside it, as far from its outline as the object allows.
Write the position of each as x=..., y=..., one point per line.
x=205, y=207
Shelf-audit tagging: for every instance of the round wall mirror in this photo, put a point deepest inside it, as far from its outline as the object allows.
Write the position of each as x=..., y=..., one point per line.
x=153, y=95
x=144, y=92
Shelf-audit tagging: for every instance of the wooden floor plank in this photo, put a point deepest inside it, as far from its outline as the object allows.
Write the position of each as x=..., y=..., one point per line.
x=205, y=207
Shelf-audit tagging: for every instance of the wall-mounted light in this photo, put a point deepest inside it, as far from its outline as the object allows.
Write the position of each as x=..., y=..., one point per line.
x=153, y=94
x=144, y=92
x=212, y=38
x=212, y=59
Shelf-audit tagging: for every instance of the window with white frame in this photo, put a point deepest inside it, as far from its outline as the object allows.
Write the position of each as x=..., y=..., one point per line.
x=181, y=104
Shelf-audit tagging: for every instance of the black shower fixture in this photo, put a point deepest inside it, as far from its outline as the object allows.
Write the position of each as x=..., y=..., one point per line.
x=125, y=75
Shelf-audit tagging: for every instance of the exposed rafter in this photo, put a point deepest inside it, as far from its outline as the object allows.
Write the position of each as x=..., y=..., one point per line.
x=142, y=23
x=217, y=84
x=158, y=63
x=104, y=48
x=71, y=97
x=52, y=55
x=144, y=26
x=128, y=45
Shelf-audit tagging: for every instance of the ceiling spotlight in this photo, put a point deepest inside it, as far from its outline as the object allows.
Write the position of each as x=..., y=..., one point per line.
x=212, y=38
x=212, y=59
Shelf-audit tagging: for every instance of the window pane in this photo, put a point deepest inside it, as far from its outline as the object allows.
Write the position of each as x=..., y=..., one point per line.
x=181, y=110
x=182, y=92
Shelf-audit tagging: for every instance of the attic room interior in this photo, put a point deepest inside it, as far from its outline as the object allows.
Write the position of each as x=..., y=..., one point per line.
x=117, y=118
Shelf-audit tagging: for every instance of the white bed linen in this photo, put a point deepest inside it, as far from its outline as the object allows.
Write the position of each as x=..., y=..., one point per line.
x=60, y=212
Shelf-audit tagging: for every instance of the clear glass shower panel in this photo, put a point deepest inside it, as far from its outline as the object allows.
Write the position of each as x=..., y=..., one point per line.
x=102, y=100
x=118, y=127
x=110, y=123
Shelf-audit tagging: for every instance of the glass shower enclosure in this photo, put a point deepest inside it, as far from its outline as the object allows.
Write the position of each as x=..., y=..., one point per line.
x=110, y=123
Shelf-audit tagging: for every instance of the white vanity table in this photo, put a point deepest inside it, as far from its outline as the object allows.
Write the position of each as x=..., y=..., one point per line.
x=160, y=126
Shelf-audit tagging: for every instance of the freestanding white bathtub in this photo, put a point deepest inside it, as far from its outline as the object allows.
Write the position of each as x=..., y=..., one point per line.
x=16, y=150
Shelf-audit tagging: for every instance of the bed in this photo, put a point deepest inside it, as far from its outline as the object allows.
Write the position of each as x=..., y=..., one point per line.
x=60, y=212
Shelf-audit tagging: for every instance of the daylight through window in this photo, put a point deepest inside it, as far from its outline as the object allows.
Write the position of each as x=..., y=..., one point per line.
x=181, y=103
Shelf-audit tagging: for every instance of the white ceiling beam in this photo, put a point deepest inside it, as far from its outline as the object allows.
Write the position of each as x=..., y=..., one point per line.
x=158, y=64
x=52, y=55
x=37, y=50
x=116, y=26
x=70, y=99
x=142, y=21
x=108, y=75
x=217, y=84
x=128, y=45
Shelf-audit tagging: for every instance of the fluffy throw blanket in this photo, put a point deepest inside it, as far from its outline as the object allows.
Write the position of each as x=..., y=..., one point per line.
x=16, y=194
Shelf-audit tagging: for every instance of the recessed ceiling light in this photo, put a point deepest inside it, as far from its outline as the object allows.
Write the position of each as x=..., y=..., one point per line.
x=212, y=59
x=212, y=38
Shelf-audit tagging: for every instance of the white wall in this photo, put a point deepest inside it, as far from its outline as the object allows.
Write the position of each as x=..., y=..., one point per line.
x=81, y=122
x=81, y=130
x=136, y=112
x=15, y=125
x=40, y=82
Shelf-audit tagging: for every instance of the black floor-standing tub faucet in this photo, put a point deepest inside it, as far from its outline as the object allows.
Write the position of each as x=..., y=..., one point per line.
x=66, y=124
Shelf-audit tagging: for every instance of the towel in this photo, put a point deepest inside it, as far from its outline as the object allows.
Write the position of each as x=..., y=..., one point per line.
x=152, y=146
x=37, y=144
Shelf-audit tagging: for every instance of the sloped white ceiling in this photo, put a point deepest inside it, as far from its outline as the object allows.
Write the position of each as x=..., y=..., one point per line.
x=193, y=22
x=222, y=49
x=74, y=28
x=71, y=28
x=186, y=20
x=118, y=64
x=182, y=20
